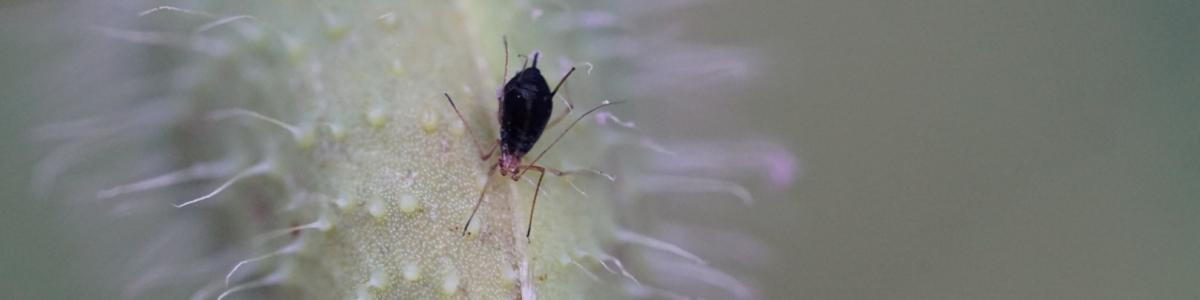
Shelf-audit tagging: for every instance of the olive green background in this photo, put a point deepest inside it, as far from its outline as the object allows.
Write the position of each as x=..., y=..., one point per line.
x=977, y=149
x=951, y=149
x=35, y=255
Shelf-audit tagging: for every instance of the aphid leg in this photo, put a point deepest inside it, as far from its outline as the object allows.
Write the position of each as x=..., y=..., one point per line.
x=569, y=106
x=490, y=151
x=566, y=111
x=542, y=170
x=564, y=132
x=482, y=155
x=560, y=81
x=480, y=201
x=556, y=172
x=561, y=173
x=541, y=174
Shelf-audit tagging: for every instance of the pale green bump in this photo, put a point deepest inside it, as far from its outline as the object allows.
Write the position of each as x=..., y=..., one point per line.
x=409, y=204
x=325, y=223
x=379, y=279
x=481, y=181
x=388, y=21
x=581, y=255
x=364, y=293
x=564, y=260
x=397, y=68
x=337, y=131
x=449, y=285
x=450, y=281
x=295, y=49
x=376, y=117
x=457, y=129
x=508, y=278
x=377, y=209
x=256, y=34
x=335, y=27
x=412, y=272
x=345, y=204
x=429, y=121
x=306, y=137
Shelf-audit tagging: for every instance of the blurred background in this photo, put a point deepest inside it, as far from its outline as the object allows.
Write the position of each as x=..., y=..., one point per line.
x=951, y=149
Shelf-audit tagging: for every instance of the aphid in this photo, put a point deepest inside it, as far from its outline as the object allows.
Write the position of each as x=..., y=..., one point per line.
x=526, y=103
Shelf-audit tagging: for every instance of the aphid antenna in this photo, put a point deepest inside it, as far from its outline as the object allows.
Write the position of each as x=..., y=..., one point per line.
x=525, y=63
x=504, y=77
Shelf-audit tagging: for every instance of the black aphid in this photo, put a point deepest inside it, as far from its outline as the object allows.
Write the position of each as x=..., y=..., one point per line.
x=526, y=103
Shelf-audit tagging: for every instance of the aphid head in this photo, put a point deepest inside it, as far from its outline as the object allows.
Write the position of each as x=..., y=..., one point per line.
x=508, y=165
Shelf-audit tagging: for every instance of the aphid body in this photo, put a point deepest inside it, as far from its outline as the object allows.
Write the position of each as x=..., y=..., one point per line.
x=525, y=107
x=526, y=103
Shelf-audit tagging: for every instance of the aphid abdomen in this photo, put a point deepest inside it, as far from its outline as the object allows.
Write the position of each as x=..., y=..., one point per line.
x=524, y=111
